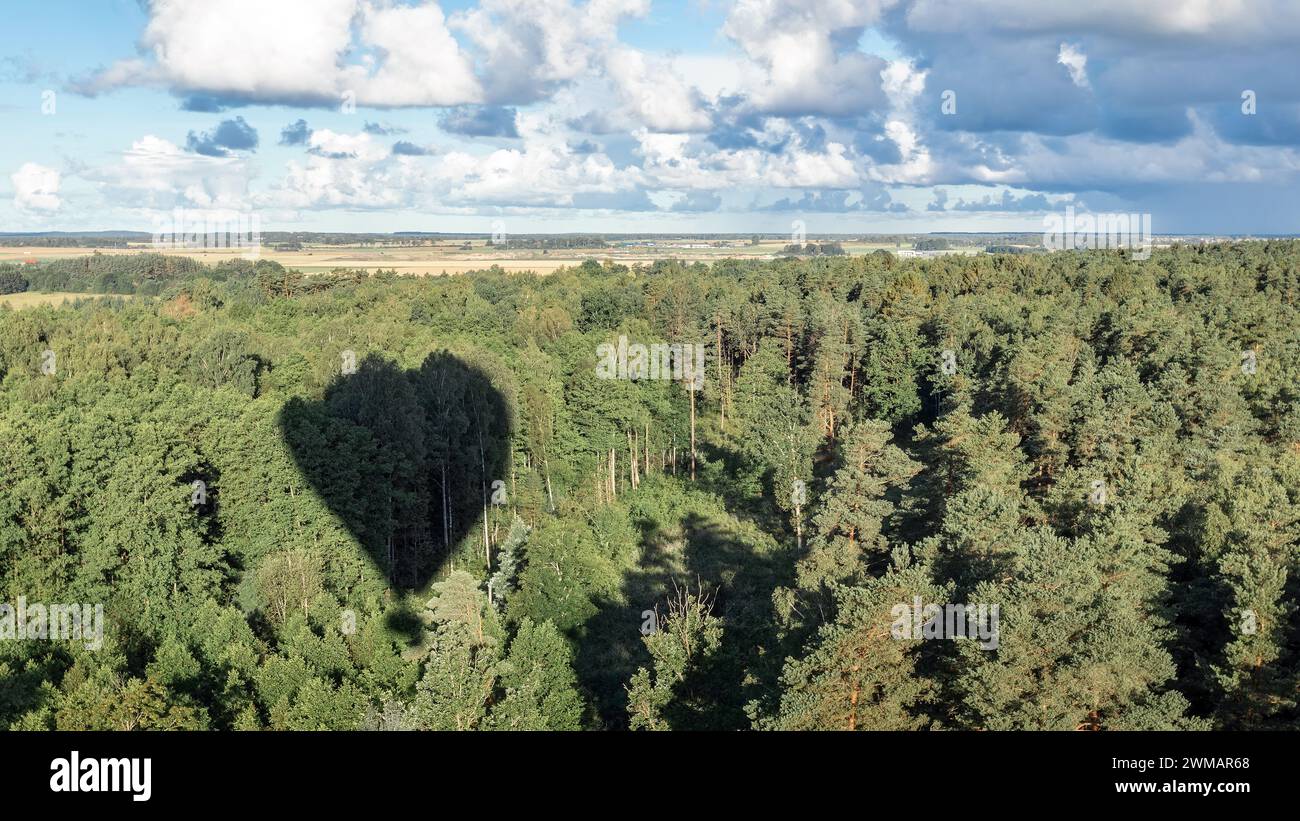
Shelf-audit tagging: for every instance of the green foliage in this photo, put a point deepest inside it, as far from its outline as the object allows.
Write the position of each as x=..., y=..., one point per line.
x=1096, y=461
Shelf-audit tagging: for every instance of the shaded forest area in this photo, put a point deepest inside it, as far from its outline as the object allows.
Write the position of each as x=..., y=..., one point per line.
x=421, y=509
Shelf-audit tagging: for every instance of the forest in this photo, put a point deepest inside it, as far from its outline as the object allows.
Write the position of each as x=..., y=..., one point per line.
x=351, y=501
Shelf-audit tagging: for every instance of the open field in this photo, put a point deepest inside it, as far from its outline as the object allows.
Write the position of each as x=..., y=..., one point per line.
x=31, y=299
x=452, y=257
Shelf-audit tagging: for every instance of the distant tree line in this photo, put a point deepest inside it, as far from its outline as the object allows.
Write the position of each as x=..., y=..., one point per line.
x=814, y=249
x=549, y=242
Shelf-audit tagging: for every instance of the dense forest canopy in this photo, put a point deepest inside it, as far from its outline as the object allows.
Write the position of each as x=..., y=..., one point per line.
x=367, y=501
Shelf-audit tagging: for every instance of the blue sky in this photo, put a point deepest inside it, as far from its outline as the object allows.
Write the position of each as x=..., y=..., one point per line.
x=651, y=115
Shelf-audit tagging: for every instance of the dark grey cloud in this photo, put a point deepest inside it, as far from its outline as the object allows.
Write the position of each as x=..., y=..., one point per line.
x=480, y=121
x=382, y=129
x=203, y=104
x=1003, y=86
x=1206, y=207
x=295, y=133
x=409, y=149
x=1008, y=79
x=332, y=155
x=1008, y=202
x=737, y=126
x=873, y=199
x=229, y=136
x=1273, y=123
x=874, y=144
x=216, y=102
x=812, y=135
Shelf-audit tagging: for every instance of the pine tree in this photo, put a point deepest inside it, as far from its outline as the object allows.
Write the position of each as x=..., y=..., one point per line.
x=540, y=688
x=859, y=672
x=854, y=507
x=684, y=642
x=1071, y=653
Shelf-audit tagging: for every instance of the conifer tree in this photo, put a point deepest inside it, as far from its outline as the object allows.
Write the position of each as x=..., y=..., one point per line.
x=860, y=672
x=854, y=507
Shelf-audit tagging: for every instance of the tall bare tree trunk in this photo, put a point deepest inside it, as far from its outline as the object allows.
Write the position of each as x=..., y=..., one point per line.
x=482, y=478
x=546, y=471
x=633, y=461
x=446, y=521
x=722, y=405
x=692, y=436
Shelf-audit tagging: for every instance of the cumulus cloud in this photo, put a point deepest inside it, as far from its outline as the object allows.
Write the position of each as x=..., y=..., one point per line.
x=36, y=188
x=803, y=54
x=295, y=52
x=655, y=93
x=422, y=64
x=481, y=121
x=228, y=137
x=1007, y=202
x=531, y=48
x=155, y=173
x=794, y=109
x=409, y=149
x=833, y=202
x=295, y=133
x=382, y=129
x=379, y=53
x=341, y=146
x=286, y=51
x=344, y=170
x=544, y=173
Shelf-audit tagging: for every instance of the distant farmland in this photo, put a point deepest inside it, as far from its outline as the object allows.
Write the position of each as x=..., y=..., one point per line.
x=32, y=299
x=453, y=257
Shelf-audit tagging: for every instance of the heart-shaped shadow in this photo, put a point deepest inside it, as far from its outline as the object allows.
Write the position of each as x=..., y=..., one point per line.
x=407, y=460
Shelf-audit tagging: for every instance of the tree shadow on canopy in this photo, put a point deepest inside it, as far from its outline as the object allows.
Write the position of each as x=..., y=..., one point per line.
x=406, y=459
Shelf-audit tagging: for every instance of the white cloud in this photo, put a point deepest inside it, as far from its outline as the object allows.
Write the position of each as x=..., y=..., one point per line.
x=354, y=171
x=531, y=48
x=803, y=62
x=335, y=145
x=1075, y=62
x=903, y=84
x=535, y=176
x=1089, y=160
x=287, y=50
x=292, y=51
x=155, y=173
x=655, y=93
x=795, y=104
x=422, y=64
x=673, y=161
x=36, y=188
